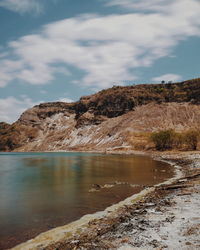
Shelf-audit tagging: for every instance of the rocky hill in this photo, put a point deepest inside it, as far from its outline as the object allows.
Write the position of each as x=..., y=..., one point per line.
x=111, y=118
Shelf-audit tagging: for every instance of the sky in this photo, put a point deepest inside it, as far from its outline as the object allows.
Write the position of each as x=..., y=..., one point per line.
x=60, y=50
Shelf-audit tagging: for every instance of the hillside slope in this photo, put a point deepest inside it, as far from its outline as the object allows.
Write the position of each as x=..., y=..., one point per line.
x=116, y=117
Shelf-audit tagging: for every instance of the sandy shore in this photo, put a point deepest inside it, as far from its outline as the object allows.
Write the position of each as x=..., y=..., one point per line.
x=166, y=216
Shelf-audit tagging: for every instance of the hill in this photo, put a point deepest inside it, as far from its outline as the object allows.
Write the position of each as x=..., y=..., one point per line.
x=112, y=118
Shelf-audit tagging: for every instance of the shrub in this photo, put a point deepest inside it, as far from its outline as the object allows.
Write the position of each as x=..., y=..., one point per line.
x=163, y=139
x=178, y=140
x=191, y=139
x=168, y=139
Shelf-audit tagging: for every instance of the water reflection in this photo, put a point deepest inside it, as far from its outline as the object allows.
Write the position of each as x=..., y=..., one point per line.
x=43, y=190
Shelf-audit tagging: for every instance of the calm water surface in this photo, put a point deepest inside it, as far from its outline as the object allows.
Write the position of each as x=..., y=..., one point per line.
x=39, y=191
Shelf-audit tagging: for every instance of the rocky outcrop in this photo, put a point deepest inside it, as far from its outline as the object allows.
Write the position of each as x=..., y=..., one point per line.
x=119, y=100
x=106, y=119
x=42, y=111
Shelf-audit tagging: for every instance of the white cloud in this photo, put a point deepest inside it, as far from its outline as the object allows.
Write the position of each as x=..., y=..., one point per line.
x=22, y=6
x=65, y=99
x=167, y=77
x=11, y=108
x=153, y=5
x=106, y=49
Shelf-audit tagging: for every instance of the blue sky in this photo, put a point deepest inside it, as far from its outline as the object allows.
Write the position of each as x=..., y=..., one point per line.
x=59, y=50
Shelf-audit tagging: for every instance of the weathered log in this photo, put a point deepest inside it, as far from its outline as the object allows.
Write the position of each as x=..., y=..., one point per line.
x=169, y=187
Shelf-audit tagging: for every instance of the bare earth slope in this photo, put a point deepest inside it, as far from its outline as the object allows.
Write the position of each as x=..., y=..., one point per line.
x=110, y=118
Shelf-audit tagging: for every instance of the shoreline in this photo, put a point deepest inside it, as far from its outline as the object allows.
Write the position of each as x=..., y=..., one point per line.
x=70, y=232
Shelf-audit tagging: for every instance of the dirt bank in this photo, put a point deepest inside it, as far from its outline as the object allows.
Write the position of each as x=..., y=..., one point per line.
x=163, y=217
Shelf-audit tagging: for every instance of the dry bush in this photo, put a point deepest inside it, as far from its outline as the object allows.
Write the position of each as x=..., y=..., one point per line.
x=163, y=140
x=191, y=139
x=178, y=140
x=169, y=139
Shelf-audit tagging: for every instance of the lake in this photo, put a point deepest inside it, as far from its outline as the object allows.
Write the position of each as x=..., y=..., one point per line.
x=40, y=191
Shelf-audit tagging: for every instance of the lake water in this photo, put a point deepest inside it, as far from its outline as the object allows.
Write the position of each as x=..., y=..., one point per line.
x=39, y=191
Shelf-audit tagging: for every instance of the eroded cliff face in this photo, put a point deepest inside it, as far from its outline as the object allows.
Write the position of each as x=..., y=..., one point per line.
x=116, y=117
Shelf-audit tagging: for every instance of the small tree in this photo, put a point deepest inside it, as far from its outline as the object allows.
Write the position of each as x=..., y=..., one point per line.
x=191, y=139
x=163, y=139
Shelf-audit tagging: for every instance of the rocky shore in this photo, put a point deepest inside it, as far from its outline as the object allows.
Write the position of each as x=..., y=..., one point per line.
x=163, y=217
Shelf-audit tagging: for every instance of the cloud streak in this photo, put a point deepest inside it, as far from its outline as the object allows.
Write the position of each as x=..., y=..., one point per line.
x=11, y=108
x=146, y=5
x=22, y=6
x=106, y=49
x=167, y=77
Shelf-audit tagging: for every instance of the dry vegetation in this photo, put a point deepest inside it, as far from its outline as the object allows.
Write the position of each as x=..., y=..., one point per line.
x=169, y=139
